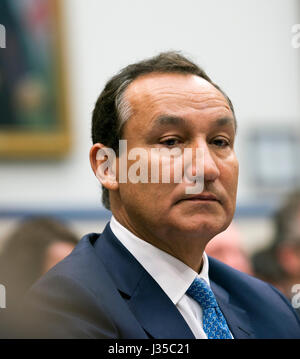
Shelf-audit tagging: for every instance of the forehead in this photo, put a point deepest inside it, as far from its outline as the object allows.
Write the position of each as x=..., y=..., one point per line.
x=157, y=92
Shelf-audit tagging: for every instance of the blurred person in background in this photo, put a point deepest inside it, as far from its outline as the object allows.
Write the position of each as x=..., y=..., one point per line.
x=227, y=248
x=34, y=247
x=279, y=263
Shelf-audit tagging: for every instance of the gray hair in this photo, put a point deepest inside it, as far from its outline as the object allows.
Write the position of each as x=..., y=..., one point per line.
x=122, y=105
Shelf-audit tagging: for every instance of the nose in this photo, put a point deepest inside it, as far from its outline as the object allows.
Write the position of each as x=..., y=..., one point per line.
x=209, y=166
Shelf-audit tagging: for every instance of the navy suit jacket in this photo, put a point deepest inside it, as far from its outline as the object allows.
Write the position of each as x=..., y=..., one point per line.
x=101, y=291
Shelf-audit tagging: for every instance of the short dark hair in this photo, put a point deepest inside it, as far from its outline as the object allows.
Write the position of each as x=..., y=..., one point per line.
x=106, y=119
x=287, y=220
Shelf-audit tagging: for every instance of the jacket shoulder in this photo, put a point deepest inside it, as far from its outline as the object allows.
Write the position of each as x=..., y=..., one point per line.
x=72, y=297
x=266, y=306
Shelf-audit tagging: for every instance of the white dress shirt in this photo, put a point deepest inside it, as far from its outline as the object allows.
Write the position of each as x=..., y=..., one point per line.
x=172, y=275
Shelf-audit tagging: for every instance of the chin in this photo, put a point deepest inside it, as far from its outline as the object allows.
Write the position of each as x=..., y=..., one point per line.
x=201, y=227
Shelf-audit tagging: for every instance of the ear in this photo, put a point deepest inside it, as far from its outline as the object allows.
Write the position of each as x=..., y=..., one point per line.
x=103, y=163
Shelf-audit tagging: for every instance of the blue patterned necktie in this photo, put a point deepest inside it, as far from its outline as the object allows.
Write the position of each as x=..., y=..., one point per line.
x=214, y=323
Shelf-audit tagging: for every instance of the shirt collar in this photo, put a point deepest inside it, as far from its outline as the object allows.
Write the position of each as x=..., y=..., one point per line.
x=173, y=276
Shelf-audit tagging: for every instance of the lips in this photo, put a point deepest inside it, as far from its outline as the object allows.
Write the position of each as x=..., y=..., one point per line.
x=205, y=197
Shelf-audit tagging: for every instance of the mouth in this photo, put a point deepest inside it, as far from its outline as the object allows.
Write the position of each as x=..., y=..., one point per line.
x=201, y=198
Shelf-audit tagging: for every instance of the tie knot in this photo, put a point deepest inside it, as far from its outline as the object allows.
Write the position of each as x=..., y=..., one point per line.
x=200, y=291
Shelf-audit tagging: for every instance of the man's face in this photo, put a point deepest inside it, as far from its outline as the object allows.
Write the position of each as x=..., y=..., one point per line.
x=185, y=111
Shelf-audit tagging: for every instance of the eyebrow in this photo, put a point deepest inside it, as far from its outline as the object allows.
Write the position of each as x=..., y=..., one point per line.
x=166, y=120
x=225, y=121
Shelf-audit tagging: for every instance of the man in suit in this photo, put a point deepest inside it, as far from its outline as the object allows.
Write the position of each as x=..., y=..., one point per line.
x=147, y=275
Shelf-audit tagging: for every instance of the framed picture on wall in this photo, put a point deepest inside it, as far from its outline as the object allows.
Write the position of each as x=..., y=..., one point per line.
x=273, y=156
x=34, y=121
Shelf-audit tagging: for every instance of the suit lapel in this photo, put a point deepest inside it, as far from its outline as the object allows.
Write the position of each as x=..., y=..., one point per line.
x=150, y=305
x=156, y=312
x=147, y=301
x=236, y=317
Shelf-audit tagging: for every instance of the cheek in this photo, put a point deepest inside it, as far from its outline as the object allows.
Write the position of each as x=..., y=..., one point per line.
x=229, y=178
x=235, y=175
x=144, y=196
x=230, y=172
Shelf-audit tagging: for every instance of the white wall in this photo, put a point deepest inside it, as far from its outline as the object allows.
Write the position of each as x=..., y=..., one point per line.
x=244, y=45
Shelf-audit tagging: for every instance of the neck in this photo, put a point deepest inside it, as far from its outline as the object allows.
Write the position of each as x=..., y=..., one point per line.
x=189, y=251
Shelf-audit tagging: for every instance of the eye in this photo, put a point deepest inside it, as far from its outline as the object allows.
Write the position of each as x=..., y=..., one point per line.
x=170, y=142
x=221, y=142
